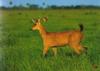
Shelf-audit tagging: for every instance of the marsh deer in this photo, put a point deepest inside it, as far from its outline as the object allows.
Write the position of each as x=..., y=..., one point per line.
x=52, y=39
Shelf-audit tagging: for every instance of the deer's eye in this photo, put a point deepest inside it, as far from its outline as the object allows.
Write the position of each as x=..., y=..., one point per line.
x=34, y=24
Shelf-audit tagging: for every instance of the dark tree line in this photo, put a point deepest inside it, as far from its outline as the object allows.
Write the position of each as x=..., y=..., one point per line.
x=33, y=6
x=73, y=7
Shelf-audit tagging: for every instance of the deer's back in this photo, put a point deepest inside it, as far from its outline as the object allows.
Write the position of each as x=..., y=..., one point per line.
x=62, y=38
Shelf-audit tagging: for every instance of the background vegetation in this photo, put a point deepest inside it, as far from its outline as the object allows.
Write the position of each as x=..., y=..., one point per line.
x=22, y=47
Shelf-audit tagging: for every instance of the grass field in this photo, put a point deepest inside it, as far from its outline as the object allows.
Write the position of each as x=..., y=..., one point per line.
x=21, y=48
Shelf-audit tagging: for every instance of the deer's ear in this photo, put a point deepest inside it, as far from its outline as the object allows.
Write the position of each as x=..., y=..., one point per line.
x=45, y=19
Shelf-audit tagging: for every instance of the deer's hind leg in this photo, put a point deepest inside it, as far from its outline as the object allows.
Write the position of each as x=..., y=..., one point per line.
x=78, y=48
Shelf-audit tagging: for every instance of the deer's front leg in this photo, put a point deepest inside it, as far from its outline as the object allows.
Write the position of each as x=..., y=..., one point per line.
x=45, y=50
x=54, y=51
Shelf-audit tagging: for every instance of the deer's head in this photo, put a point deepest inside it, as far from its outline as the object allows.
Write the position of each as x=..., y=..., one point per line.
x=37, y=23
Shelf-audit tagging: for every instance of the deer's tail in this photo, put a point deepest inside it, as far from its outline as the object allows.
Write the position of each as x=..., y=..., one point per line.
x=81, y=27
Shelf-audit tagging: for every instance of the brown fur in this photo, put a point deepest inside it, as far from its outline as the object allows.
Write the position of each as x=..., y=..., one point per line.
x=51, y=39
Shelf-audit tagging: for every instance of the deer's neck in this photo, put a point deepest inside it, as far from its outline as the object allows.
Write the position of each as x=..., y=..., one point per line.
x=42, y=31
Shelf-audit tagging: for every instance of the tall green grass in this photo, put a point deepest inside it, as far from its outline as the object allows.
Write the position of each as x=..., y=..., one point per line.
x=22, y=47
